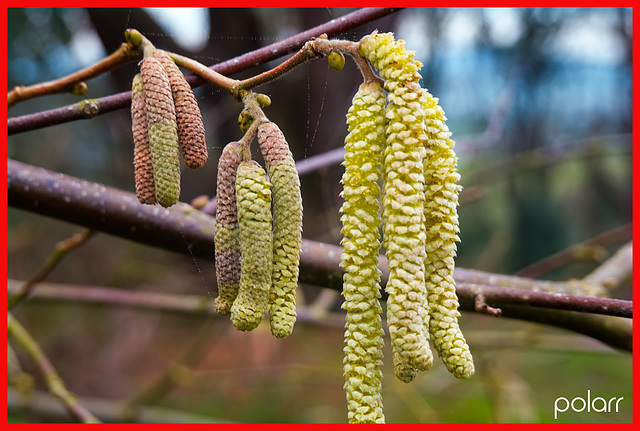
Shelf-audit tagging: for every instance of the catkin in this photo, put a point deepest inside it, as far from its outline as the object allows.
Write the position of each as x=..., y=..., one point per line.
x=287, y=227
x=191, y=131
x=227, y=242
x=163, y=133
x=253, y=194
x=143, y=167
x=440, y=208
x=403, y=194
x=361, y=242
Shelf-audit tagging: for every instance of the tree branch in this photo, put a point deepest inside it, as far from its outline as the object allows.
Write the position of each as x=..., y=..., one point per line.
x=229, y=67
x=74, y=82
x=186, y=230
x=52, y=379
x=614, y=270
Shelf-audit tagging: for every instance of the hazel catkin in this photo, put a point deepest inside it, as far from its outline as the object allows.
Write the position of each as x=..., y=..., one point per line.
x=253, y=197
x=226, y=239
x=403, y=194
x=287, y=227
x=163, y=132
x=361, y=245
x=191, y=131
x=142, y=165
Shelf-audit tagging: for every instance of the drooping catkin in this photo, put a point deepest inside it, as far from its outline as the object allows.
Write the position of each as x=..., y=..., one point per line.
x=163, y=133
x=361, y=242
x=142, y=165
x=441, y=223
x=403, y=194
x=253, y=195
x=287, y=227
x=191, y=131
x=227, y=241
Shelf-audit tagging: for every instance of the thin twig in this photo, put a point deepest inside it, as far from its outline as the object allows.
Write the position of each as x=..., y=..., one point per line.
x=69, y=83
x=227, y=68
x=60, y=250
x=52, y=379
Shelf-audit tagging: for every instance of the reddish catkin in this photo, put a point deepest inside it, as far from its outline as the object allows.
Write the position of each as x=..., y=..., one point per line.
x=163, y=133
x=287, y=227
x=191, y=131
x=227, y=242
x=143, y=168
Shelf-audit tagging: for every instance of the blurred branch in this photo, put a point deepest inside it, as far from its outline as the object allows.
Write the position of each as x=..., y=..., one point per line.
x=109, y=411
x=199, y=305
x=614, y=270
x=52, y=379
x=60, y=250
x=75, y=82
x=229, y=67
x=614, y=331
x=591, y=249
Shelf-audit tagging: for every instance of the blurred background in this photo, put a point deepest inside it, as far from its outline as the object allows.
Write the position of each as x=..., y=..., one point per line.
x=540, y=104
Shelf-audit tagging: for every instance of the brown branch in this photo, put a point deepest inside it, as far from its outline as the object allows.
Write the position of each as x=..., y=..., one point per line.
x=587, y=249
x=73, y=82
x=227, y=68
x=186, y=230
x=52, y=379
x=60, y=250
x=491, y=294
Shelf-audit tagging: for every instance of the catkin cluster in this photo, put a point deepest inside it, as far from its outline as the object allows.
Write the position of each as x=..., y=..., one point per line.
x=258, y=234
x=165, y=117
x=402, y=140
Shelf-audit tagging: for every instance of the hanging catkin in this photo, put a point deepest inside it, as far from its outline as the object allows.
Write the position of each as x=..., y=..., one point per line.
x=440, y=208
x=227, y=241
x=163, y=133
x=143, y=168
x=191, y=131
x=403, y=195
x=361, y=242
x=287, y=227
x=253, y=194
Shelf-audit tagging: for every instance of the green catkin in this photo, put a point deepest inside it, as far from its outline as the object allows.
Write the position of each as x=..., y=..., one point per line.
x=143, y=167
x=163, y=132
x=227, y=241
x=403, y=194
x=191, y=131
x=253, y=197
x=287, y=227
x=440, y=208
x=361, y=242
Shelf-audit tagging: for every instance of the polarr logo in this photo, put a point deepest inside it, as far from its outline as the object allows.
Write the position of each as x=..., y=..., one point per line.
x=579, y=404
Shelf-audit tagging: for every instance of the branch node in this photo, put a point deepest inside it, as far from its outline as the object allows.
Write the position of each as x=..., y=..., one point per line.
x=481, y=306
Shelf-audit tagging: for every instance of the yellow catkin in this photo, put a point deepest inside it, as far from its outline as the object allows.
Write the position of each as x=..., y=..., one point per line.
x=403, y=194
x=143, y=167
x=163, y=132
x=440, y=208
x=253, y=196
x=361, y=242
x=227, y=241
x=191, y=131
x=287, y=227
